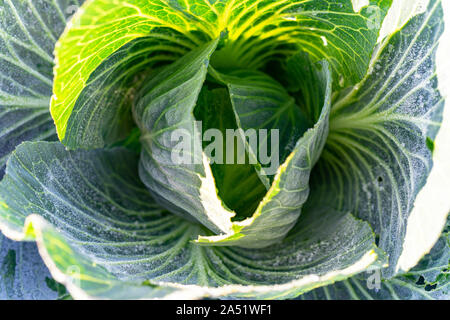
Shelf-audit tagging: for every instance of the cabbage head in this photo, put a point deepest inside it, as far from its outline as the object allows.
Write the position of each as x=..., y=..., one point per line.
x=262, y=149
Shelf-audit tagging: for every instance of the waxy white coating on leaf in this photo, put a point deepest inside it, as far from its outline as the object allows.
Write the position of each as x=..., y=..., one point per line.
x=432, y=204
x=214, y=208
x=359, y=4
x=399, y=14
x=37, y=223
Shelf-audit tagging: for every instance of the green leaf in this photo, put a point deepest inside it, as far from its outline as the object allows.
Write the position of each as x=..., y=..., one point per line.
x=99, y=48
x=260, y=102
x=102, y=235
x=130, y=37
x=82, y=275
x=282, y=205
x=329, y=30
x=102, y=114
x=23, y=275
x=376, y=159
x=28, y=33
x=430, y=279
x=186, y=186
x=116, y=217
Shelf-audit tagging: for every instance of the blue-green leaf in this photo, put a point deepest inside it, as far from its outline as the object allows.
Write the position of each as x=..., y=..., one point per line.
x=177, y=172
x=261, y=103
x=238, y=184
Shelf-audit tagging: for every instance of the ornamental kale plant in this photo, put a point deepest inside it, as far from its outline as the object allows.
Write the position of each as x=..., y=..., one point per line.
x=267, y=149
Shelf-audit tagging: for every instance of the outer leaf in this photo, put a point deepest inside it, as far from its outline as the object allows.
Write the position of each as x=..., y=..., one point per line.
x=116, y=217
x=106, y=238
x=254, y=32
x=113, y=24
x=432, y=204
x=280, y=208
x=28, y=33
x=430, y=279
x=378, y=153
x=23, y=275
